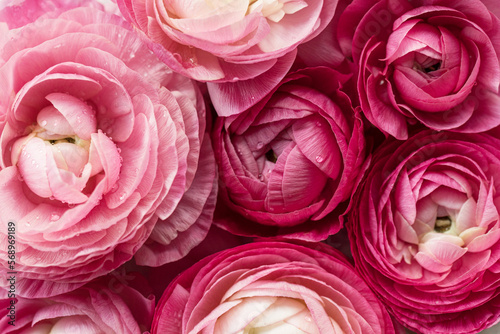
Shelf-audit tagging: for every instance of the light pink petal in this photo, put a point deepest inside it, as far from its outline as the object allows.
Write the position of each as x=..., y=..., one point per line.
x=466, y=217
x=484, y=242
x=33, y=166
x=173, y=237
x=78, y=114
x=75, y=324
x=104, y=155
x=226, y=97
x=174, y=143
x=135, y=155
x=70, y=157
x=66, y=186
x=53, y=121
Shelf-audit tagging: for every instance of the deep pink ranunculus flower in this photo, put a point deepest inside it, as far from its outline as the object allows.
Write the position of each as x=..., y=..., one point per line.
x=108, y=305
x=226, y=40
x=434, y=62
x=100, y=147
x=287, y=163
x=425, y=230
x=269, y=287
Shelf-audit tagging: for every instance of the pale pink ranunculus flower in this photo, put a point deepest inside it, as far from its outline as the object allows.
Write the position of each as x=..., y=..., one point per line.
x=17, y=13
x=226, y=40
x=425, y=230
x=100, y=146
x=272, y=287
x=287, y=164
x=108, y=305
x=434, y=62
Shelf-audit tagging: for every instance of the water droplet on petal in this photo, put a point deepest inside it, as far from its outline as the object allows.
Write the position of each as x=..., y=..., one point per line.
x=319, y=158
x=43, y=123
x=236, y=78
x=260, y=145
x=28, y=224
x=71, y=205
x=115, y=187
x=122, y=196
x=261, y=177
x=54, y=217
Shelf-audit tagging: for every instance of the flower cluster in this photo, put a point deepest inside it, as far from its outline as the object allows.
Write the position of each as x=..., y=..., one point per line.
x=249, y=166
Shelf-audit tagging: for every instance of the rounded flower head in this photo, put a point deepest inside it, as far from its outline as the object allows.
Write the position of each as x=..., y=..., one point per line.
x=433, y=62
x=425, y=230
x=271, y=287
x=99, y=141
x=104, y=306
x=226, y=40
x=291, y=158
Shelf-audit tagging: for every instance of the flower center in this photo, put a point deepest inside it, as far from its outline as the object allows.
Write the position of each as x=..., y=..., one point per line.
x=442, y=224
x=428, y=65
x=271, y=156
x=54, y=158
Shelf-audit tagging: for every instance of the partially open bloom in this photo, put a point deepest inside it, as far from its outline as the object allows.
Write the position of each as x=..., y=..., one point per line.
x=288, y=162
x=426, y=61
x=99, y=143
x=425, y=231
x=105, y=306
x=226, y=40
x=271, y=287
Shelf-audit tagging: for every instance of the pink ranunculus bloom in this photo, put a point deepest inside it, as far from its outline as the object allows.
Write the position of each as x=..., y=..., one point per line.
x=17, y=13
x=107, y=306
x=100, y=144
x=287, y=164
x=269, y=287
x=425, y=231
x=425, y=61
x=226, y=40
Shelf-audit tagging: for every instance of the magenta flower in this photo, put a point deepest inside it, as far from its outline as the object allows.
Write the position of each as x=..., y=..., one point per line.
x=271, y=287
x=105, y=306
x=226, y=40
x=291, y=160
x=425, y=231
x=433, y=62
x=100, y=144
